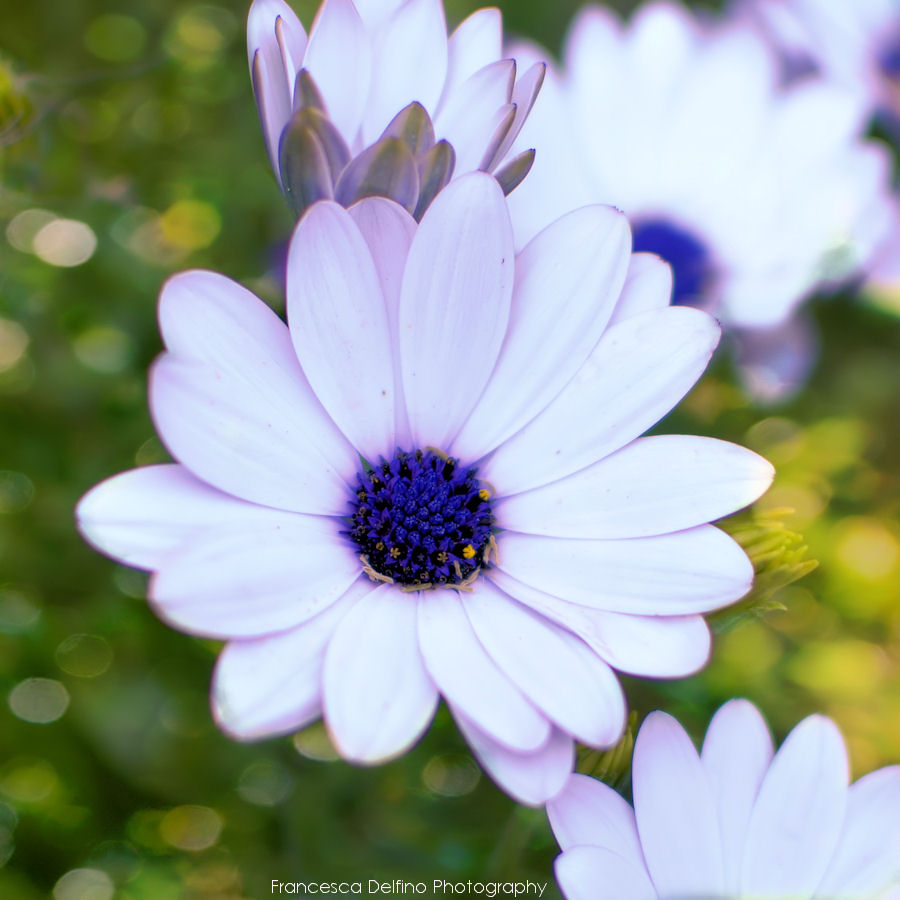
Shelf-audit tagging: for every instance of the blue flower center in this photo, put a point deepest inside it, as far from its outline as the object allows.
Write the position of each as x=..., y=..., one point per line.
x=889, y=57
x=422, y=520
x=687, y=255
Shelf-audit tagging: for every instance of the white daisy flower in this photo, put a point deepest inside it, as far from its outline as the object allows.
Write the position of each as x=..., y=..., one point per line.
x=733, y=822
x=856, y=45
x=755, y=194
x=438, y=413
x=378, y=101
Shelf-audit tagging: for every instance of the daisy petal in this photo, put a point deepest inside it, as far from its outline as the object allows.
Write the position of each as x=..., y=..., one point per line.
x=806, y=785
x=551, y=666
x=578, y=264
x=232, y=404
x=470, y=114
x=648, y=286
x=276, y=41
x=471, y=680
x=654, y=646
x=675, y=812
x=867, y=859
x=736, y=754
x=388, y=229
x=638, y=371
x=595, y=873
x=530, y=778
x=410, y=63
x=686, y=572
x=141, y=516
x=245, y=582
x=339, y=57
x=653, y=486
x=377, y=696
x=273, y=685
x=476, y=43
x=454, y=305
x=588, y=812
x=339, y=326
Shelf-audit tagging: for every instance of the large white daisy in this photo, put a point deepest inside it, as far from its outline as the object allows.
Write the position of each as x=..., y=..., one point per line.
x=755, y=193
x=735, y=821
x=379, y=101
x=431, y=482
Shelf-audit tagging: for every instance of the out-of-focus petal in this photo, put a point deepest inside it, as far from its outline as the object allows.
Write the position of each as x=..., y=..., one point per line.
x=675, y=812
x=594, y=873
x=798, y=815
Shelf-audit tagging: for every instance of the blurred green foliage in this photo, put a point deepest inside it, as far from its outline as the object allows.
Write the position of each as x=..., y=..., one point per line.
x=129, y=150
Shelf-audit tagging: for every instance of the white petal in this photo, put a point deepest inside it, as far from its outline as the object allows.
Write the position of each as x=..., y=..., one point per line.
x=654, y=646
x=530, y=778
x=639, y=370
x=567, y=281
x=470, y=679
x=592, y=873
x=378, y=697
x=736, y=755
x=231, y=403
x=524, y=95
x=339, y=57
x=409, y=63
x=141, y=516
x=673, y=574
x=675, y=811
x=339, y=326
x=796, y=821
x=648, y=286
x=273, y=685
x=469, y=116
x=555, y=670
x=476, y=42
x=868, y=855
x=653, y=486
x=588, y=812
x=248, y=581
x=388, y=229
x=277, y=35
x=454, y=305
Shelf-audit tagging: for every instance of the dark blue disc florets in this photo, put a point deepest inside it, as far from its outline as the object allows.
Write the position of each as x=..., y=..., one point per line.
x=422, y=520
x=692, y=268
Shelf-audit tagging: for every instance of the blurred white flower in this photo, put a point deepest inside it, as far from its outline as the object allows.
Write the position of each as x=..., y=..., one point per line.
x=733, y=822
x=854, y=44
x=428, y=419
x=378, y=101
x=756, y=194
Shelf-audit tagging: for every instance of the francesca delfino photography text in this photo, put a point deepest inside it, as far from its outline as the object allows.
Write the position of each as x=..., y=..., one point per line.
x=450, y=451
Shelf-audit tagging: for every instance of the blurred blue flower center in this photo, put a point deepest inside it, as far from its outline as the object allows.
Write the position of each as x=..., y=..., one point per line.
x=422, y=520
x=688, y=256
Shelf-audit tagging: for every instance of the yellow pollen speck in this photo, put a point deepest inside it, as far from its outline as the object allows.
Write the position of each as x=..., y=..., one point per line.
x=485, y=494
x=468, y=551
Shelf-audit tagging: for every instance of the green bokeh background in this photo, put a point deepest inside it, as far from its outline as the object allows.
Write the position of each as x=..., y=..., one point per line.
x=136, y=118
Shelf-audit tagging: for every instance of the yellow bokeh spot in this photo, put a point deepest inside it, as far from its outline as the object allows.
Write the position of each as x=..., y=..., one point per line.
x=191, y=828
x=190, y=224
x=842, y=670
x=867, y=547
